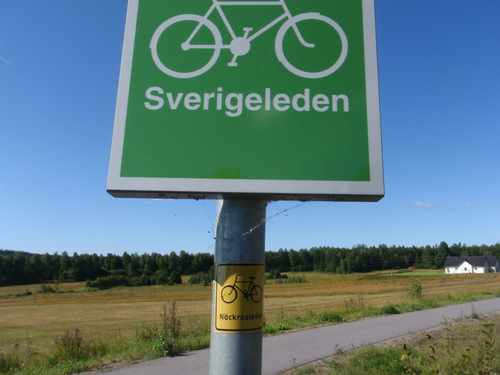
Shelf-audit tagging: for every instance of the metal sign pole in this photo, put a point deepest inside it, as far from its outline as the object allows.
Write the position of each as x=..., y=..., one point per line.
x=237, y=307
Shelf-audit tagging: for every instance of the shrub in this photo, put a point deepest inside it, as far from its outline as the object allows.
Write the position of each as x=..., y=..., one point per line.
x=415, y=290
x=165, y=345
x=108, y=282
x=331, y=317
x=10, y=362
x=168, y=338
x=47, y=289
x=170, y=323
x=276, y=274
x=72, y=347
x=201, y=278
x=120, y=279
x=389, y=310
x=147, y=333
x=289, y=280
x=353, y=305
x=24, y=294
x=175, y=278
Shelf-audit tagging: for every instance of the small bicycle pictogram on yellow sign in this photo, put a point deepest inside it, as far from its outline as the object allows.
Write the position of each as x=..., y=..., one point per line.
x=239, y=297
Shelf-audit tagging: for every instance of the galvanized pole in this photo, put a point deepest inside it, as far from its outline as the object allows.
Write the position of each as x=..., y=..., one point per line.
x=237, y=306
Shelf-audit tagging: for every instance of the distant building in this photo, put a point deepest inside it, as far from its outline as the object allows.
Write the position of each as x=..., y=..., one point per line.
x=472, y=264
x=494, y=264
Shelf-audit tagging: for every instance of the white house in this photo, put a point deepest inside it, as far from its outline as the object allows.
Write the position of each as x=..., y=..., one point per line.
x=471, y=264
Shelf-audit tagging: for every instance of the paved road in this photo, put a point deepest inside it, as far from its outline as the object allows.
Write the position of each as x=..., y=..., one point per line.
x=283, y=352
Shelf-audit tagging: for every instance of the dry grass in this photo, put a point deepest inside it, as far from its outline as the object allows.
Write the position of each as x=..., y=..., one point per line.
x=36, y=320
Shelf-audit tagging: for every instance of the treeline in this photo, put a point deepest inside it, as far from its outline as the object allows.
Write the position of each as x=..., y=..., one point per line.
x=361, y=258
x=18, y=268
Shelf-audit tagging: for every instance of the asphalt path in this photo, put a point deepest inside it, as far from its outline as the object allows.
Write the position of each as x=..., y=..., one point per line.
x=286, y=351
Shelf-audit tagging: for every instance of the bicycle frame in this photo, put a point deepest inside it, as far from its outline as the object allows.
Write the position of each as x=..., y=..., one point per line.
x=217, y=4
x=245, y=292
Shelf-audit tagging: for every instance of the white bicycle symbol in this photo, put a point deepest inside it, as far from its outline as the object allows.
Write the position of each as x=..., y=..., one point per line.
x=240, y=46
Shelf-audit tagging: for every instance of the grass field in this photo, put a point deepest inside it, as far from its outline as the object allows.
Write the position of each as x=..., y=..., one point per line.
x=33, y=321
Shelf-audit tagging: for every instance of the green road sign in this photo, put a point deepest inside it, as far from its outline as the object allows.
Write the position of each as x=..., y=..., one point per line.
x=277, y=99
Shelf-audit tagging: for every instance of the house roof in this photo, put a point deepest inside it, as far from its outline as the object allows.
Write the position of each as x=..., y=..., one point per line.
x=492, y=260
x=476, y=261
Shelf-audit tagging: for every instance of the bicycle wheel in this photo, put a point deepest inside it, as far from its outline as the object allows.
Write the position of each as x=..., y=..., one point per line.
x=256, y=293
x=330, y=66
x=228, y=294
x=172, y=53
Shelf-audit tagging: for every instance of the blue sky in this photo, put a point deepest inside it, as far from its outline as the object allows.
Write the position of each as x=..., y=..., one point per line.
x=439, y=80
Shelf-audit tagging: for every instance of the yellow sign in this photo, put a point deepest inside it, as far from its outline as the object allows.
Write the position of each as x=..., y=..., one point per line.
x=239, y=302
